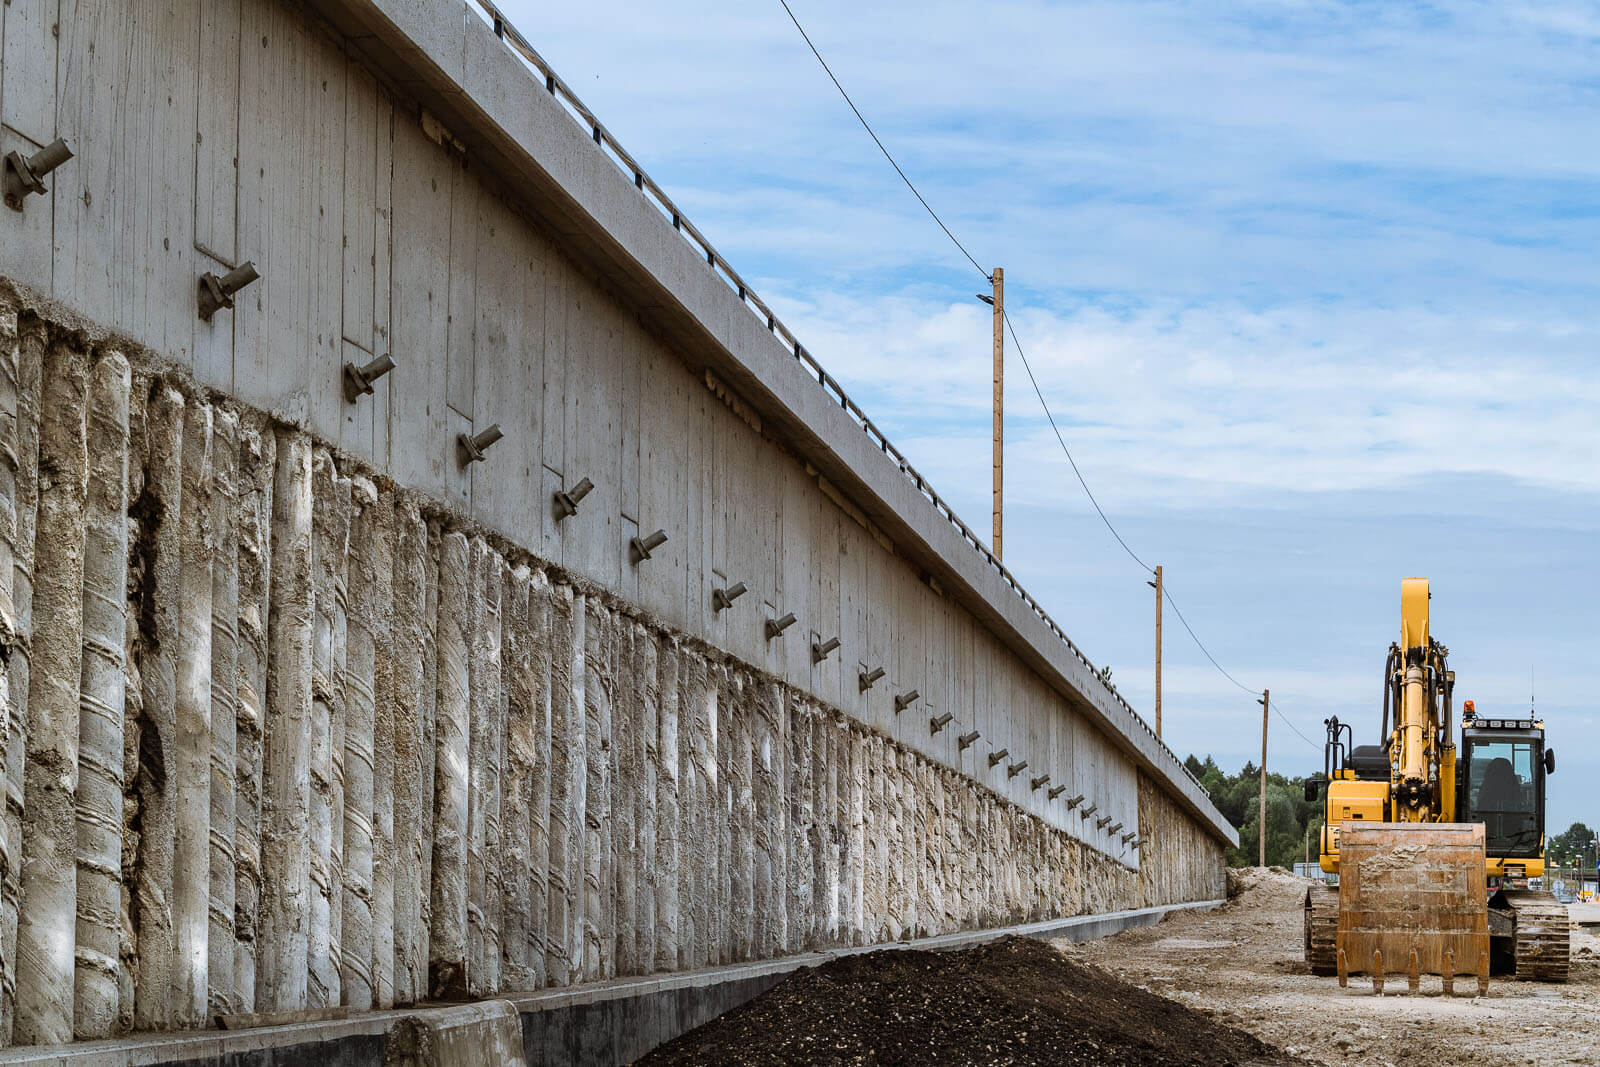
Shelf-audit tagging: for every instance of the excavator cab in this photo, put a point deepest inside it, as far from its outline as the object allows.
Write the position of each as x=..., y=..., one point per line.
x=1502, y=770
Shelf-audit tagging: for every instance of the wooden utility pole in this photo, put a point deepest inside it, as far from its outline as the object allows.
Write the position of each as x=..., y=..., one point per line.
x=999, y=301
x=1157, y=586
x=1261, y=824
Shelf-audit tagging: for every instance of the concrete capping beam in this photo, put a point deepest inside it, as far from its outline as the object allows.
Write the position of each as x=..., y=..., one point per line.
x=444, y=54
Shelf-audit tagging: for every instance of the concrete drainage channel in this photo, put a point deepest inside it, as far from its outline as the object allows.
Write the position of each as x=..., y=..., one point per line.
x=599, y=1023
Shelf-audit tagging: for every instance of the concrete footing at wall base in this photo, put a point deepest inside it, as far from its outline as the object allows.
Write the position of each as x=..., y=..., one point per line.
x=599, y=1023
x=616, y=1022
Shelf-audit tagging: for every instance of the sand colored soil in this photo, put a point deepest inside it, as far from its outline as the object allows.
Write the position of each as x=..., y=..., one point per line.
x=1244, y=962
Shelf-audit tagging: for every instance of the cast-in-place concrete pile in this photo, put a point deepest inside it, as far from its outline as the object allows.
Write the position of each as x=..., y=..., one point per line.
x=314, y=695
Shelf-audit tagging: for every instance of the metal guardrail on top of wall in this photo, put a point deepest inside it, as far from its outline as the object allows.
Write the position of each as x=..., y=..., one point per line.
x=645, y=184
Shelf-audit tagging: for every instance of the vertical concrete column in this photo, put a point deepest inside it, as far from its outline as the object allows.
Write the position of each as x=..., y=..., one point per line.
x=624, y=789
x=431, y=667
x=670, y=932
x=486, y=743
x=647, y=712
x=384, y=745
x=522, y=754
x=447, y=947
x=10, y=708
x=826, y=835
x=881, y=915
x=257, y=464
x=191, y=857
x=741, y=911
x=864, y=898
x=977, y=886
x=1011, y=863
x=25, y=437
x=102, y=702
x=992, y=875
x=692, y=809
x=284, y=926
x=565, y=761
x=992, y=872
x=613, y=662
x=777, y=758
x=937, y=846
x=892, y=841
x=598, y=931
x=132, y=702
x=540, y=641
x=221, y=993
x=337, y=722
x=886, y=843
x=46, y=927
x=855, y=795
x=360, y=741
x=329, y=551
x=908, y=831
x=903, y=771
x=160, y=506
x=801, y=888
x=413, y=792
x=766, y=837
x=702, y=796
x=833, y=829
x=721, y=918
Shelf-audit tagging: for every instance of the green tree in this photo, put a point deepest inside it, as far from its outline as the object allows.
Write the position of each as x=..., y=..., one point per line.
x=1293, y=823
x=1572, y=844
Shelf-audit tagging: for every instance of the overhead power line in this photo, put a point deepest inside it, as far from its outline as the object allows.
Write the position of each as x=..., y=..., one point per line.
x=1290, y=724
x=1166, y=589
x=1034, y=381
x=1068, y=452
x=875, y=140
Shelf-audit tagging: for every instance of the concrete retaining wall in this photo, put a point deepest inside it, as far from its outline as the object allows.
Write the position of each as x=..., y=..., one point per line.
x=376, y=232
x=358, y=751
x=304, y=710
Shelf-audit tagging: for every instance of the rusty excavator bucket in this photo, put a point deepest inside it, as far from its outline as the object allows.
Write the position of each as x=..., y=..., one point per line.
x=1412, y=901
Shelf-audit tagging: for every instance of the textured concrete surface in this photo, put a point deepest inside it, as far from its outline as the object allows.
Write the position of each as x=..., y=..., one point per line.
x=536, y=289
x=583, y=790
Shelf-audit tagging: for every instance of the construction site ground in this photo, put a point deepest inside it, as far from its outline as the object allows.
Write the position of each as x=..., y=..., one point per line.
x=1243, y=964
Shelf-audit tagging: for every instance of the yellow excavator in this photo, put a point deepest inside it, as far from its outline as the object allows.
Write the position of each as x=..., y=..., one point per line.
x=1434, y=845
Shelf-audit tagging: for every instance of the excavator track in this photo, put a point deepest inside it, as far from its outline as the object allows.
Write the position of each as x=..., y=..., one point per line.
x=1322, y=929
x=1542, y=934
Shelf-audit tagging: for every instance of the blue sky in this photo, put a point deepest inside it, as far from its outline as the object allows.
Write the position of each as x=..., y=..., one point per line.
x=1311, y=288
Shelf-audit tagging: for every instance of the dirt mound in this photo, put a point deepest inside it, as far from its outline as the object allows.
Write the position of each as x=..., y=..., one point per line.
x=1014, y=1001
x=1261, y=887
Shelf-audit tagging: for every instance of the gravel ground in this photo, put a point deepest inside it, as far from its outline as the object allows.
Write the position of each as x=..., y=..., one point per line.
x=1245, y=963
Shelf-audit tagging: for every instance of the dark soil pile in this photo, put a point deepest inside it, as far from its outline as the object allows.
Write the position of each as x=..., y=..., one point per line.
x=1014, y=1001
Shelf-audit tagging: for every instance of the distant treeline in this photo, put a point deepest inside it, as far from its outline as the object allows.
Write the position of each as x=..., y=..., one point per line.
x=1289, y=817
